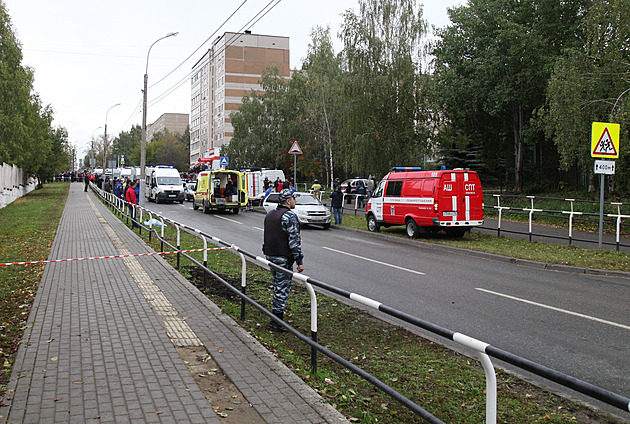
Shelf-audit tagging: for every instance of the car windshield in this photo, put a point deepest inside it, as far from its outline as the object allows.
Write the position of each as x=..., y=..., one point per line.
x=307, y=199
x=168, y=181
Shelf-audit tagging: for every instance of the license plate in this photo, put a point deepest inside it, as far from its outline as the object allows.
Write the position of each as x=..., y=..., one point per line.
x=172, y=195
x=220, y=201
x=449, y=213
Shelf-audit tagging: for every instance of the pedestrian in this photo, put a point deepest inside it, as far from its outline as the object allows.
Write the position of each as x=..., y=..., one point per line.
x=132, y=200
x=336, y=201
x=361, y=191
x=86, y=180
x=317, y=188
x=107, y=187
x=283, y=247
x=348, y=193
x=120, y=190
x=136, y=188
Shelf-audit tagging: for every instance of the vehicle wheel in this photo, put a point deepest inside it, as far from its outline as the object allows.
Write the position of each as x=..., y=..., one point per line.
x=181, y=202
x=235, y=211
x=412, y=228
x=195, y=206
x=157, y=200
x=372, y=224
x=326, y=226
x=456, y=232
x=206, y=209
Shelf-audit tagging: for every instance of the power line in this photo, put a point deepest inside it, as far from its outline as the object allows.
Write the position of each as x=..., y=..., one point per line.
x=197, y=49
x=174, y=87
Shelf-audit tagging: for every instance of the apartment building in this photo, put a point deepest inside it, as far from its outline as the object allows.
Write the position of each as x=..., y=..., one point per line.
x=229, y=70
x=174, y=122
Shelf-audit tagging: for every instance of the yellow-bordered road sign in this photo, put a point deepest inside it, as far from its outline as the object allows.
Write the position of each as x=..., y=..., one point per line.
x=605, y=140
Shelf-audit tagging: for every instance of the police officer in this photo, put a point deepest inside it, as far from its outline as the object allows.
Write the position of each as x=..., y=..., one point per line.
x=282, y=246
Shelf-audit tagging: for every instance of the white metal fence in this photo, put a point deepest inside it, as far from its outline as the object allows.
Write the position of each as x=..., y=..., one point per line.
x=14, y=184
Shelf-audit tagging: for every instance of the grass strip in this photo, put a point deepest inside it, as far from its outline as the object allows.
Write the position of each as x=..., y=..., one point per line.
x=447, y=384
x=27, y=229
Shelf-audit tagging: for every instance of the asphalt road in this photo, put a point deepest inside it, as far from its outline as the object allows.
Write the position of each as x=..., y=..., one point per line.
x=578, y=324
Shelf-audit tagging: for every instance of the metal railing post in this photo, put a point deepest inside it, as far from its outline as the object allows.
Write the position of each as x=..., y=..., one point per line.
x=178, y=245
x=243, y=279
x=150, y=224
x=162, y=235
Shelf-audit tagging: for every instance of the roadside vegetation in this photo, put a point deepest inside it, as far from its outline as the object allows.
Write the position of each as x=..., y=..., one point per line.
x=27, y=229
x=448, y=384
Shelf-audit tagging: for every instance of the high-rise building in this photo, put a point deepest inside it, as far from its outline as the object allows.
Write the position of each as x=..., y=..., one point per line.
x=174, y=122
x=229, y=70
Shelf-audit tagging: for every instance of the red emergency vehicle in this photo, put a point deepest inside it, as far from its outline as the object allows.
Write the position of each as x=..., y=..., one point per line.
x=424, y=201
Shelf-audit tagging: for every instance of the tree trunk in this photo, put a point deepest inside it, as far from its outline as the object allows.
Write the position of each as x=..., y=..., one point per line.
x=517, y=125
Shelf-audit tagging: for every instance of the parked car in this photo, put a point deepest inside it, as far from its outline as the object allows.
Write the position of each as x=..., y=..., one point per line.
x=308, y=208
x=368, y=184
x=189, y=190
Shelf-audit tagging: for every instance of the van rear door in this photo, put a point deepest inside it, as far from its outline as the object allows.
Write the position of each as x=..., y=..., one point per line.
x=461, y=197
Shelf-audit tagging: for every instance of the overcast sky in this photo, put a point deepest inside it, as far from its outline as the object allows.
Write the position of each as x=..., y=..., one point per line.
x=89, y=56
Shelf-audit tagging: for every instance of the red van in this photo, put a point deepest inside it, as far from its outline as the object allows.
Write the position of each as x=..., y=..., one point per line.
x=423, y=201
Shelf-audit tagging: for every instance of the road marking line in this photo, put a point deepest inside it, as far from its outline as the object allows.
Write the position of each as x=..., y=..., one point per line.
x=228, y=219
x=372, y=260
x=553, y=308
x=258, y=228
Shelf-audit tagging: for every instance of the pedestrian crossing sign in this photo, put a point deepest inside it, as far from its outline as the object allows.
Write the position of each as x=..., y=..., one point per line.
x=223, y=161
x=605, y=140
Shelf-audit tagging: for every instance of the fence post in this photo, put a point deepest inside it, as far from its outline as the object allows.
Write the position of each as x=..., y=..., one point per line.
x=531, y=215
x=491, y=379
x=498, y=206
x=178, y=245
x=618, y=224
x=205, y=260
x=162, y=234
x=243, y=279
x=150, y=224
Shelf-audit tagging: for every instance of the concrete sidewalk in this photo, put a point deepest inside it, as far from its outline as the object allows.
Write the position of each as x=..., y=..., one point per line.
x=104, y=340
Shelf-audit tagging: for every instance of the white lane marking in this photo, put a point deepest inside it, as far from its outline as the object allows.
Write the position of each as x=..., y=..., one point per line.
x=258, y=228
x=372, y=260
x=553, y=308
x=228, y=219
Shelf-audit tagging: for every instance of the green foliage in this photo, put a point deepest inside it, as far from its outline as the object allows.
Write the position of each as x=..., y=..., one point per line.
x=125, y=144
x=386, y=120
x=166, y=148
x=26, y=136
x=492, y=65
x=590, y=84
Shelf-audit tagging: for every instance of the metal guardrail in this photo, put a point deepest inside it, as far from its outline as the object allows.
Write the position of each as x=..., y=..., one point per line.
x=572, y=213
x=482, y=350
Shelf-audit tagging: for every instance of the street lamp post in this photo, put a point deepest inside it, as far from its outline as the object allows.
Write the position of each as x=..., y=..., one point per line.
x=143, y=143
x=105, y=138
x=93, y=154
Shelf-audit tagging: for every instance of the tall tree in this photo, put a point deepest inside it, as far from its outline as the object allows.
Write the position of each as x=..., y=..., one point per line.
x=321, y=92
x=26, y=136
x=126, y=142
x=265, y=125
x=385, y=119
x=492, y=65
x=592, y=83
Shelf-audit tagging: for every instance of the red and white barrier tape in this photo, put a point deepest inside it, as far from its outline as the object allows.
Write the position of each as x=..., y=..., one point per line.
x=113, y=256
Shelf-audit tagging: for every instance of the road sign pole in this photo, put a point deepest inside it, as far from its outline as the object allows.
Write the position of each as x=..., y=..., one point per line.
x=601, y=211
x=295, y=171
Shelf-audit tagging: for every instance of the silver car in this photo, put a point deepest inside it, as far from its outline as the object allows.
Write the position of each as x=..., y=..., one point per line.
x=308, y=209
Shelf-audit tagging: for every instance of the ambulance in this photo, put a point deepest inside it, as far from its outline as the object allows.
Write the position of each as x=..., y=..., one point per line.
x=220, y=189
x=427, y=201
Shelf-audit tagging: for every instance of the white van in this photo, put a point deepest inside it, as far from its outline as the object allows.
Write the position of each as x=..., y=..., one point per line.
x=163, y=184
x=256, y=179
